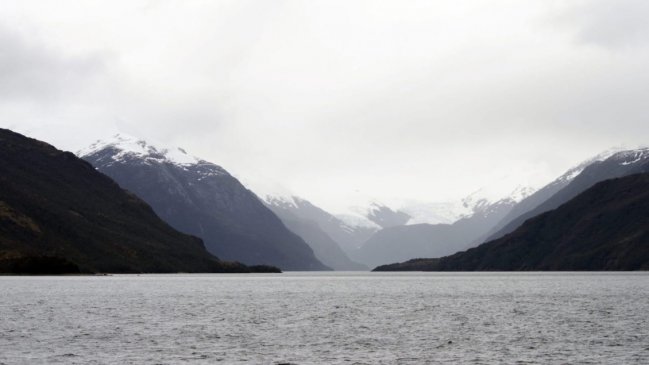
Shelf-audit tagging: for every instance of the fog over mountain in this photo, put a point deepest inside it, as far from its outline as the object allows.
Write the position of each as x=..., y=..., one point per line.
x=342, y=102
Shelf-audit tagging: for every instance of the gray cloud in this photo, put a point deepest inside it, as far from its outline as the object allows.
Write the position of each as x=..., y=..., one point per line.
x=338, y=101
x=30, y=70
x=612, y=24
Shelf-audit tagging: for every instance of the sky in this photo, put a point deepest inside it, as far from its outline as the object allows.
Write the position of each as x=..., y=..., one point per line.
x=337, y=101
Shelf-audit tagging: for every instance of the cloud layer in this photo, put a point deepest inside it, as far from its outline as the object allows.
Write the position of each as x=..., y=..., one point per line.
x=337, y=101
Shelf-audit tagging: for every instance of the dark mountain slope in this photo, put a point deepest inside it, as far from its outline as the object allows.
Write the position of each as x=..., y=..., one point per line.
x=201, y=198
x=604, y=228
x=57, y=214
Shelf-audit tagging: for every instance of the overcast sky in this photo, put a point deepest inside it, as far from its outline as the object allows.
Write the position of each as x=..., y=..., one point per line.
x=337, y=100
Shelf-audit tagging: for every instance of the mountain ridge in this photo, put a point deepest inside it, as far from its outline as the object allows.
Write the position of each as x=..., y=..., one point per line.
x=325, y=248
x=201, y=198
x=606, y=227
x=57, y=210
x=609, y=164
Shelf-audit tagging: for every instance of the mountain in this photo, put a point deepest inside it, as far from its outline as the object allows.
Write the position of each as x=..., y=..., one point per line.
x=576, y=180
x=59, y=215
x=348, y=231
x=606, y=227
x=385, y=217
x=400, y=243
x=201, y=198
x=325, y=248
x=433, y=212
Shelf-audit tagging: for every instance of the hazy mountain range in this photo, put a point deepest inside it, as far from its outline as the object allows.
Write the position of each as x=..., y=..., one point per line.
x=52, y=202
x=380, y=234
x=404, y=242
x=349, y=232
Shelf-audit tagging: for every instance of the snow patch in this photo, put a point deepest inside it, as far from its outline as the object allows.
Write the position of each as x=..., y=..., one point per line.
x=285, y=202
x=352, y=222
x=129, y=146
x=632, y=156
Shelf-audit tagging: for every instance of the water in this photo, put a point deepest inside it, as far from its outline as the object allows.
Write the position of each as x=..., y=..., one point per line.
x=327, y=318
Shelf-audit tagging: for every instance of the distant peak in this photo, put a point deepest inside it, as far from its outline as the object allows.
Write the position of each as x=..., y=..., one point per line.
x=130, y=146
x=624, y=155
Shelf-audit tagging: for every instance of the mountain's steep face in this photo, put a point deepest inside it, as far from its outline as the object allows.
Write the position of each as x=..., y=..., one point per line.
x=576, y=180
x=57, y=214
x=350, y=232
x=201, y=198
x=325, y=248
x=606, y=227
x=402, y=243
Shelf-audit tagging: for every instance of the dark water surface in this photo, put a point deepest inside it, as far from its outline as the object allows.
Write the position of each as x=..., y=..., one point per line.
x=327, y=318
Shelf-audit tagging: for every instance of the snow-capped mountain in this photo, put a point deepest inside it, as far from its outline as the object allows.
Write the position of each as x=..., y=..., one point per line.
x=607, y=165
x=368, y=234
x=131, y=147
x=480, y=202
x=434, y=213
x=349, y=231
x=404, y=242
x=59, y=215
x=483, y=201
x=201, y=198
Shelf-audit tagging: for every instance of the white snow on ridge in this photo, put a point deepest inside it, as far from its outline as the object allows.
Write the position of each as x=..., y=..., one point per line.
x=139, y=148
x=281, y=201
x=575, y=171
x=521, y=192
x=478, y=201
x=434, y=213
x=353, y=222
x=449, y=212
x=627, y=157
x=632, y=156
x=350, y=221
